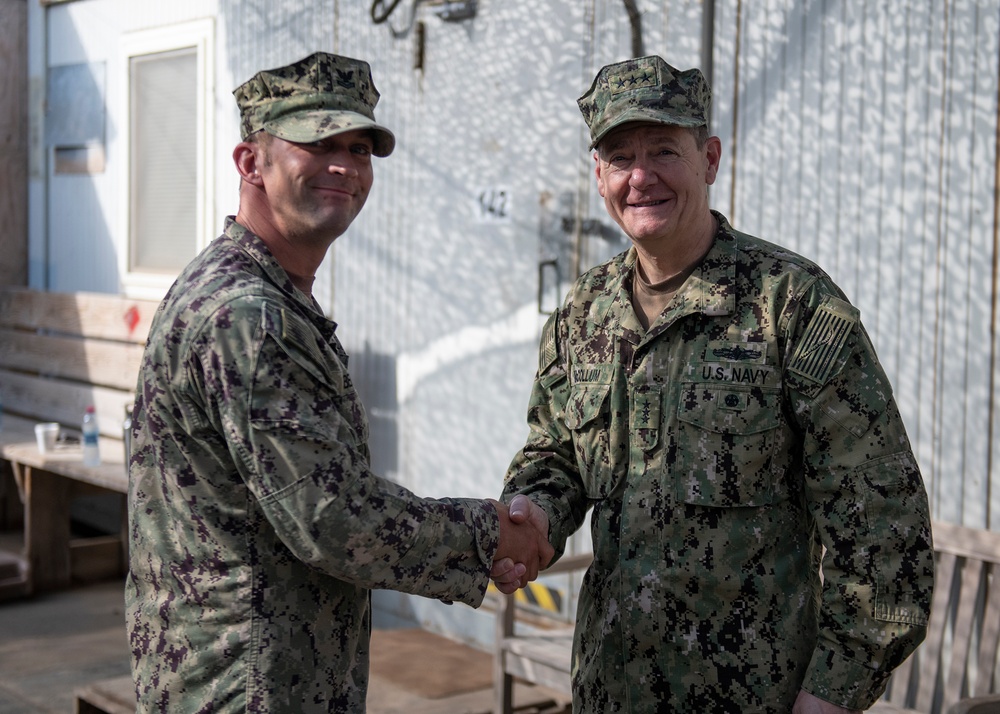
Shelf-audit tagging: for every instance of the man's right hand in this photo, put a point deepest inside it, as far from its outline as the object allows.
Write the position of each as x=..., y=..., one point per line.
x=524, y=544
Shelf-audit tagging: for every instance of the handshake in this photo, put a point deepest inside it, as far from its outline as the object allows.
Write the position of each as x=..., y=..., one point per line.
x=524, y=548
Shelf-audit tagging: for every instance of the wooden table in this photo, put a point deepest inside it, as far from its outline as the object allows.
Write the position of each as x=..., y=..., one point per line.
x=46, y=485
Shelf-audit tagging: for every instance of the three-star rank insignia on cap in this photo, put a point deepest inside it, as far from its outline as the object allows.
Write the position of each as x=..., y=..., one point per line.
x=646, y=75
x=818, y=354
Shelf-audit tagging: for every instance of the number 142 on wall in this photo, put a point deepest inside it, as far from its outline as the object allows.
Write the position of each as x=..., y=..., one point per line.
x=494, y=205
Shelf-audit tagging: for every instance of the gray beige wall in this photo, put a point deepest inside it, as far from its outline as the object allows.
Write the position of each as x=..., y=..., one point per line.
x=13, y=142
x=864, y=136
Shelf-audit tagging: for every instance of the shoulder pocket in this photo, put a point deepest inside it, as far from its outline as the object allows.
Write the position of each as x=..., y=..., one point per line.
x=298, y=340
x=301, y=383
x=898, y=538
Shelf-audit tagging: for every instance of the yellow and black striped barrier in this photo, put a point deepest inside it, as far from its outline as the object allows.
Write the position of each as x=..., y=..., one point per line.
x=538, y=595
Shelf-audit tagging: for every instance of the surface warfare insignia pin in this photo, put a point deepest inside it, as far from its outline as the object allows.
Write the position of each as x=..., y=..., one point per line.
x=818, y=354
x=736, y=353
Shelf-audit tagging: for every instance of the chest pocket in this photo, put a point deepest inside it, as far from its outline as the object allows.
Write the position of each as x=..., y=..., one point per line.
x=588, y=417
x=726, y=440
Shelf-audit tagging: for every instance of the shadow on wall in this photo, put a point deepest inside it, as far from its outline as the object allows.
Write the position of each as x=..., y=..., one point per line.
x=374, y=376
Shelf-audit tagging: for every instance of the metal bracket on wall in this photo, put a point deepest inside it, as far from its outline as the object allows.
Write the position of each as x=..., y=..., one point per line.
x=456, y=10
x=547, y=266
x=446, y=10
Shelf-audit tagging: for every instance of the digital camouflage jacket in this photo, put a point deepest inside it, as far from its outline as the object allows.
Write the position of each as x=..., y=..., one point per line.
x=720, y=452
x=255, y=525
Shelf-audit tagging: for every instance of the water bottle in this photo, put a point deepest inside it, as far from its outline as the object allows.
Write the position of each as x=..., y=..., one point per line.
x=91, y=450
x=127, y=433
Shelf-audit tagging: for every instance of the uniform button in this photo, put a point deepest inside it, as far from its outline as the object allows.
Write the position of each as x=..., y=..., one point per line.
x=732, y=400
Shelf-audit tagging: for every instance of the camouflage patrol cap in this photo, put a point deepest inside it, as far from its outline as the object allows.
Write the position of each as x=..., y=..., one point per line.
x=318, y=96
x=645, y=89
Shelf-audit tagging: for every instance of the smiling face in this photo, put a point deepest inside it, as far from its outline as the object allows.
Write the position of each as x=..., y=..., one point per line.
x=654, y=180
x=314, y=191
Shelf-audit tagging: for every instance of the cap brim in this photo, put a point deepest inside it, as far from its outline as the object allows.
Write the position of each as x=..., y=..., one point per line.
x=642, y=115
x=306, y=127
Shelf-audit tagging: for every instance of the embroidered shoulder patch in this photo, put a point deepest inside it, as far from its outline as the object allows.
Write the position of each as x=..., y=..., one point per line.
x=548, y=348
x=824, y=339
x=295, y=330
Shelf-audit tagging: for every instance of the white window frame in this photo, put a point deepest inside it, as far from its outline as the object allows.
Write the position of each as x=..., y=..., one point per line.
x=200, y=35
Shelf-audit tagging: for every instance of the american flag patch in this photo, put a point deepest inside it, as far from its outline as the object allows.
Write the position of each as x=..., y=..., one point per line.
x=825, y=337
x=548, y=350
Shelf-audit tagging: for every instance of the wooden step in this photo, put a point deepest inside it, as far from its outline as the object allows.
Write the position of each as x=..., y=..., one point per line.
x=14, y=588
x=10, y=566
x=107, y=696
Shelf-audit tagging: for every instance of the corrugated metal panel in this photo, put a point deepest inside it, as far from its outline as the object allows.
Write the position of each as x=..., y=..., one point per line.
x=436, y=295
x=865, y=138
x=436, y=298
x=259, y=34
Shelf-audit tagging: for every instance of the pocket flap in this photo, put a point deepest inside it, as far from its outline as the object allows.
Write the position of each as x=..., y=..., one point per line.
x=585, y=404
x=729, y=409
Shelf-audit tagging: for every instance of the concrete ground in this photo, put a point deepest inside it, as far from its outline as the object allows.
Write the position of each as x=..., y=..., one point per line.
x=54, y=644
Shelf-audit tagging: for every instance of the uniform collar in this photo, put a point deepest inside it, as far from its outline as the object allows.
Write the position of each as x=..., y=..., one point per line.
x=253, y=246
x=709, y=290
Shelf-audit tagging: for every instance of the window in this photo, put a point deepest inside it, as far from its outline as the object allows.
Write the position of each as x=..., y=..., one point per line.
x=167, y=171
x=163, y=175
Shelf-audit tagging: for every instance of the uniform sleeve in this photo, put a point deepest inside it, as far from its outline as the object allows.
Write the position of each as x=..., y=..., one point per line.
x=545, y=469
x=297, y=431
x=864, y=489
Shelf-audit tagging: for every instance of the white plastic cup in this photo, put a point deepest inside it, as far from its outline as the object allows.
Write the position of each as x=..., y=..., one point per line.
x=47, y=434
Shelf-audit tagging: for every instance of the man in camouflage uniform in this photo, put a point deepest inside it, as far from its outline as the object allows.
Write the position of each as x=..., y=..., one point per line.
x=255, y=525
x=716, y=401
